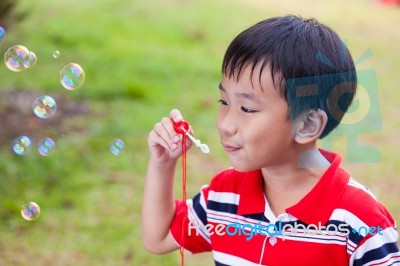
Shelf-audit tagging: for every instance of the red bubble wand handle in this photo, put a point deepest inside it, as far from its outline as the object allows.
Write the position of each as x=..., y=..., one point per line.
x=182, y=127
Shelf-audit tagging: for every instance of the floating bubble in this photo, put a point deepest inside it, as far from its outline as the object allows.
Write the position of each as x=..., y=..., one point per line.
x=16, y=58
x=22, y=145
x=72, y=76
x=2, y=35
x=32, y=59
x=44, y=106
x=56, y=54
x=46, y=146
x=117, y=146
x=30, y=211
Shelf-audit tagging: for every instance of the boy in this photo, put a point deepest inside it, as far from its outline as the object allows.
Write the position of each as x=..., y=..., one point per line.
x=284, y=202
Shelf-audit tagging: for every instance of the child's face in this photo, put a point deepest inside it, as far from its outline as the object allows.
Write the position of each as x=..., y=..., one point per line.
x=253, y=122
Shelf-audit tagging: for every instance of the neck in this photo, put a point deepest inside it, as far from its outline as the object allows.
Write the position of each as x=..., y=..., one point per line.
x=286, y=184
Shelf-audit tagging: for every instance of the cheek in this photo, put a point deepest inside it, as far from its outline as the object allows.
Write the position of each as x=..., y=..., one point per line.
x=219, y=119
x=219, y=115
x=270, y=137
x=222, y=117
x=257, y=140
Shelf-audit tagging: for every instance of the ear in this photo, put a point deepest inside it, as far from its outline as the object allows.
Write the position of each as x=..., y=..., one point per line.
x=309, y=126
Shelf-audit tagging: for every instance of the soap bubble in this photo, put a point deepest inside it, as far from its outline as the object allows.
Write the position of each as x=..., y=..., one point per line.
x=16, y=58
x=117, y=146
x=46, y=146
x=56, y=54
x=22, y=145
x=30, y=211
x=2, y=35
x=32, y=59
x=44, y=106
x=72, y=76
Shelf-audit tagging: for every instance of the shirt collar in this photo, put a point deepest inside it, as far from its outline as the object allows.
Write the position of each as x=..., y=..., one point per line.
x=317, y=206
x=251, y=193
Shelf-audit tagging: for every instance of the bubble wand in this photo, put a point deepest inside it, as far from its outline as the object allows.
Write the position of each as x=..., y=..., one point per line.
x=182, y=127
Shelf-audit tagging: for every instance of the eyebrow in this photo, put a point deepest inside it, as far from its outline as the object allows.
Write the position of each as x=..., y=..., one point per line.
x=249, y=96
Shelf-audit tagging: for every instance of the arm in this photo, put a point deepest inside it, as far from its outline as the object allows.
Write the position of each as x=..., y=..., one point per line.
x=158, y=208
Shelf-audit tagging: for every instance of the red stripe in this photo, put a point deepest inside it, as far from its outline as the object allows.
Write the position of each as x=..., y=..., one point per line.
x=381, y=263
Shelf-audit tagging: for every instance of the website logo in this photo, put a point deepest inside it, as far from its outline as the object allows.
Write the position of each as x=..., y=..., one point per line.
x=283, y=230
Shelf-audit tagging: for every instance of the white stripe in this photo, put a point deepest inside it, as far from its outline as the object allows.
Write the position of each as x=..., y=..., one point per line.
x=320, y=239
x=389, y=235
x=232, y=260
x=197, y=225
x=312, y=233
x=390, y=259
x=194, y=218
x=354, y=183
x=348, y=218
x=228, y=218
x=224, y=197
x=351, y=246
x=202, y=199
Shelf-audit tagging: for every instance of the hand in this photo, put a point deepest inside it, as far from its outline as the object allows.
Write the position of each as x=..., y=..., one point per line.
x=164, y=143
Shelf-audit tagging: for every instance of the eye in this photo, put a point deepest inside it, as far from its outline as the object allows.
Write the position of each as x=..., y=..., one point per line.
x=223, y=102
x=247, y=110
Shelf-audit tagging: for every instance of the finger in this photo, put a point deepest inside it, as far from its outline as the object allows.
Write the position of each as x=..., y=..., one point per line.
x=169, y=128
x=191, y=131
x=175, y=115
x=163, y=137
x=155, y=140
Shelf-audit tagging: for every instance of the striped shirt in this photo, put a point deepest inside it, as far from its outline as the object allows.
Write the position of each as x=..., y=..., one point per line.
x=339, y=222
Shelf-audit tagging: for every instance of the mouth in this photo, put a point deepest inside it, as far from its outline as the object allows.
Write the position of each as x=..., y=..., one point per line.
x=229, y=148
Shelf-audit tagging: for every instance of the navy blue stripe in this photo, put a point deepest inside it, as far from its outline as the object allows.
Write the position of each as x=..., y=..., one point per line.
x=220, y=264
x=257, y=216
x=222, y=207
x=377, y=254
x=318, y=238
x=352, y=232
x=201, y=213
x=353, y=235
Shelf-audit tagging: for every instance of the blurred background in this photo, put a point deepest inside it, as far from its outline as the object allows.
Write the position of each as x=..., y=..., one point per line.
x=141, y=59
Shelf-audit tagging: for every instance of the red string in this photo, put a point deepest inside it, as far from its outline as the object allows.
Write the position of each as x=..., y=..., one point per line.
x=185, y=210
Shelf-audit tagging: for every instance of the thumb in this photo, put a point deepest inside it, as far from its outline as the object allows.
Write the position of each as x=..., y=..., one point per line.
x=175, y=115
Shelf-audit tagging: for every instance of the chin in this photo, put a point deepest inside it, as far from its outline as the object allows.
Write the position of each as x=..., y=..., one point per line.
x=247, y=165
x=240, y=167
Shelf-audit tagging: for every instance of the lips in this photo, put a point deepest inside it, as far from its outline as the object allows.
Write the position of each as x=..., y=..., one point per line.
x=229, y=148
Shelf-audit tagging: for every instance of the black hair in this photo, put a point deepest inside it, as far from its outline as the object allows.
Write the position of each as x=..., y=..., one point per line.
x=310, y=65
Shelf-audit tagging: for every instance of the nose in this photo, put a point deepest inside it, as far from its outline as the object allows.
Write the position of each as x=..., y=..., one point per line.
x=227, y=124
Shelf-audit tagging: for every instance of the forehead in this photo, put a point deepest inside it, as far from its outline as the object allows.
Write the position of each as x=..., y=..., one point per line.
x=257, y=78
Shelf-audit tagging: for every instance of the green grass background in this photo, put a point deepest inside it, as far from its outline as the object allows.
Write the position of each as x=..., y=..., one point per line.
x=141, y=59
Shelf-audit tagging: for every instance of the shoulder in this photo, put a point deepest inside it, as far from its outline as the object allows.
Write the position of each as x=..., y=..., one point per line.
x=359, y=204
x=373, y=236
